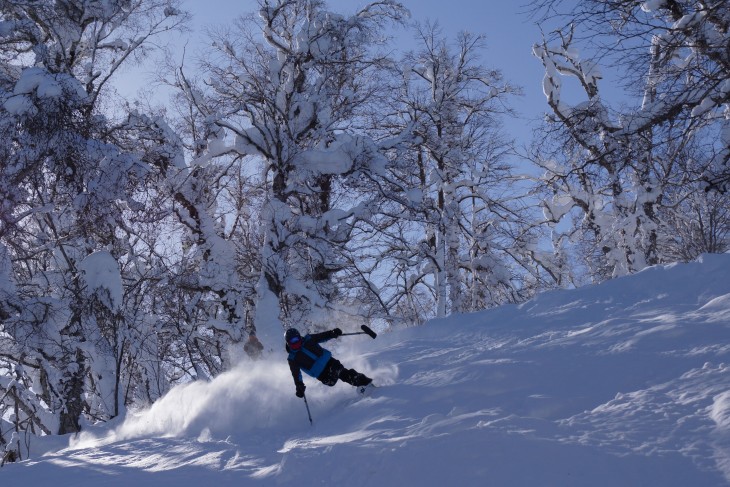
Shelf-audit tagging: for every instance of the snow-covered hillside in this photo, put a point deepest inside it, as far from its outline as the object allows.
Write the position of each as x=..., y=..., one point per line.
x=622, y=384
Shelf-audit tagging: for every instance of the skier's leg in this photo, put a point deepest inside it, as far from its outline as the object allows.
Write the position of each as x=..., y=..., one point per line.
x=331, y=372
x=352, y=376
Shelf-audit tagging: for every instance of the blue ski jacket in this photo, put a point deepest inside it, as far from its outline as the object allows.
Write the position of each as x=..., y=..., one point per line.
x=311, y=358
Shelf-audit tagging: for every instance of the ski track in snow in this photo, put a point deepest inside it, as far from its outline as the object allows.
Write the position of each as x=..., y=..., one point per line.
x=626, y=383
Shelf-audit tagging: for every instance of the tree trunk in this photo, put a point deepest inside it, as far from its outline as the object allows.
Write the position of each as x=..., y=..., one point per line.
x=73, y=406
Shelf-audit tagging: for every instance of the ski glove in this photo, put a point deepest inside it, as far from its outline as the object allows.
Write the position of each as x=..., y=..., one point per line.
x=337, y=332
x=300, y=390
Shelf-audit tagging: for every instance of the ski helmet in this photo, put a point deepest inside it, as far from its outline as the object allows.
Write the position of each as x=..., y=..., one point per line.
x=293, y=338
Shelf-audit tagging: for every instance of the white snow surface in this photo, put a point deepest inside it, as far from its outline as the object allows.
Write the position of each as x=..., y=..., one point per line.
x=625, y=383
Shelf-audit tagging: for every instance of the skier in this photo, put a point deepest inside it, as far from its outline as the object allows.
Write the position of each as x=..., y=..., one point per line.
x=305, y=354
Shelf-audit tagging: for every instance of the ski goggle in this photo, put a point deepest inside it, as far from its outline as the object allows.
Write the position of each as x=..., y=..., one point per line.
x=295, y=342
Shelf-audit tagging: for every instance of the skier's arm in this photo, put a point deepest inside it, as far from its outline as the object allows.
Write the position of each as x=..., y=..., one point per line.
x=296, y=373
x=326, y=335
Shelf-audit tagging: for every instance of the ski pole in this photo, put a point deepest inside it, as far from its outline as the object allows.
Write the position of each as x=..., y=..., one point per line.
x=308, y=413
x=365, y=331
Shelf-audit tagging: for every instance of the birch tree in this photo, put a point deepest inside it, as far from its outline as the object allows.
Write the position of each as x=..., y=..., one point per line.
x=471, y=230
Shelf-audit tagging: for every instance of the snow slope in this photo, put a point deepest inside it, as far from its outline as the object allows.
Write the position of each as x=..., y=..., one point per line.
x=625, y=383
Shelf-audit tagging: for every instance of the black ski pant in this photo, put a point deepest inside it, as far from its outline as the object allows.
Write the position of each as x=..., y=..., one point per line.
x=335, y=371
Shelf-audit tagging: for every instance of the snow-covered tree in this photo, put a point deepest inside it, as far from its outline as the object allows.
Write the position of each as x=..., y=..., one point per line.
x=466, y=238
x=698, y=223
x=66, y=190
x=621, y=174
x=232, y=201
x=287, y=87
